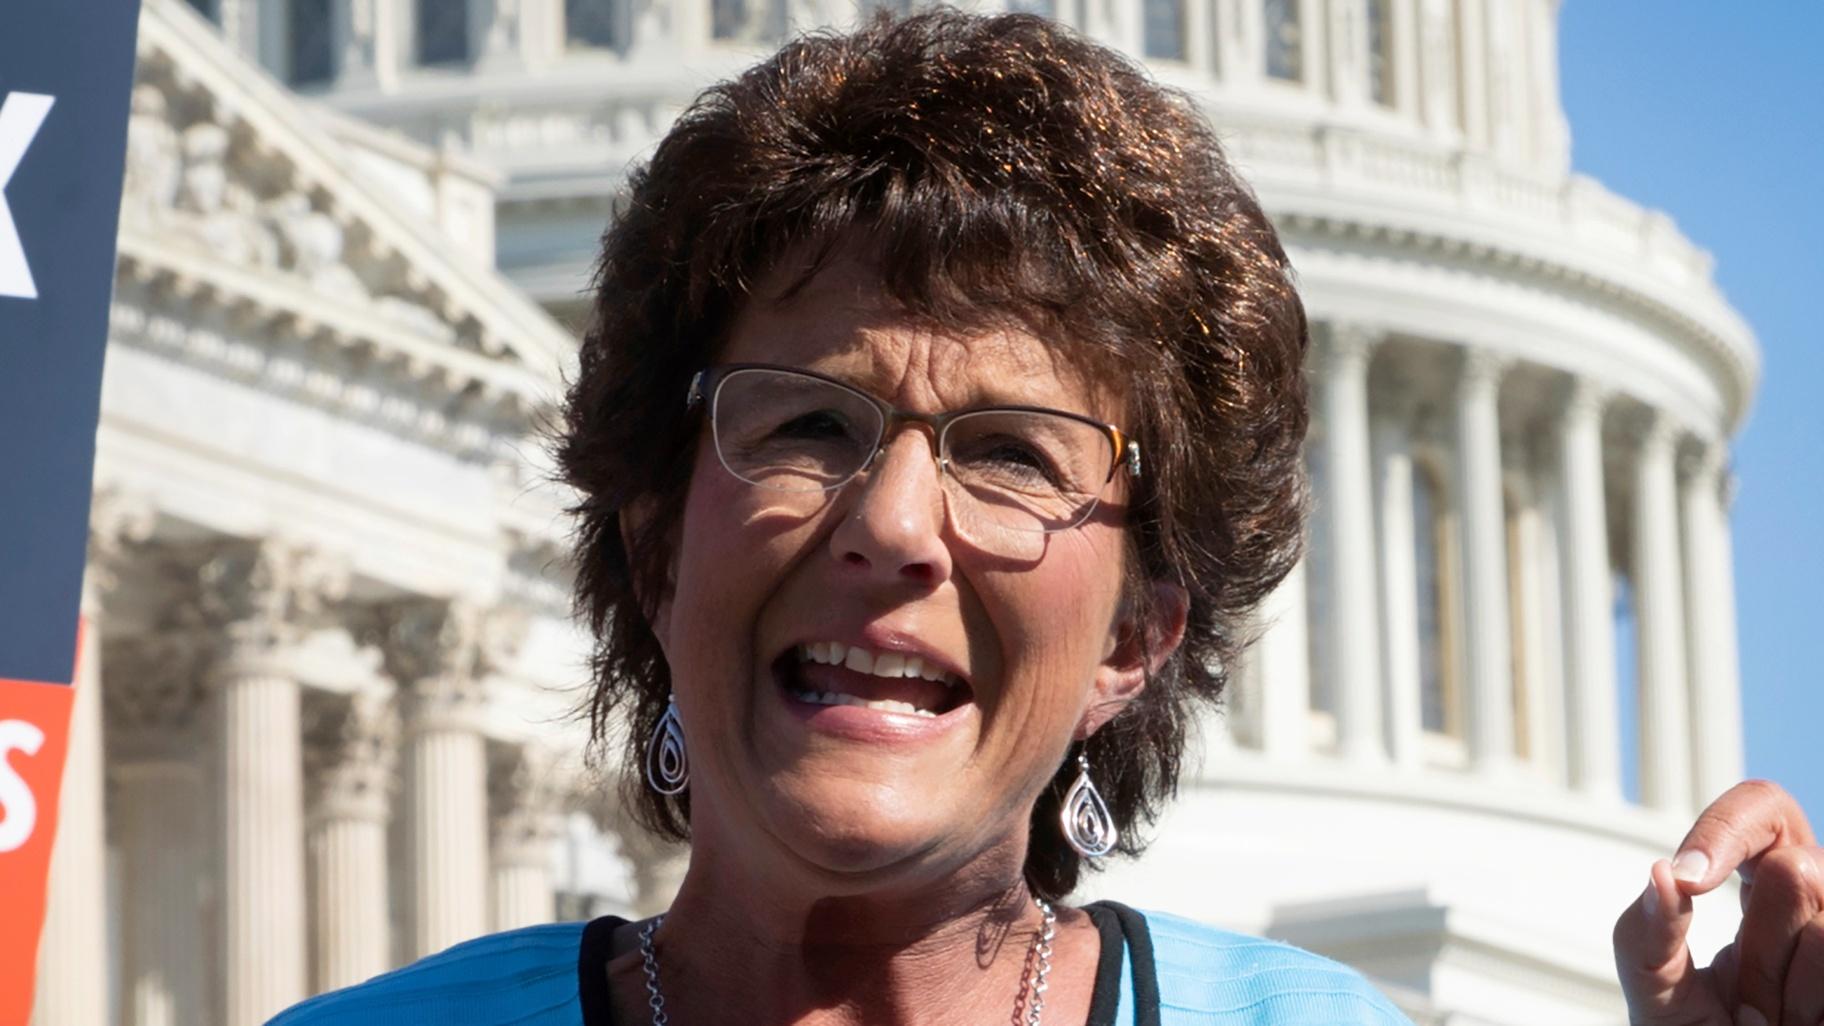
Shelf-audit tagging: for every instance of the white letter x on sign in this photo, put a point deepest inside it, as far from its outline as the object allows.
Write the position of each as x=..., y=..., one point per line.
x=20, y=117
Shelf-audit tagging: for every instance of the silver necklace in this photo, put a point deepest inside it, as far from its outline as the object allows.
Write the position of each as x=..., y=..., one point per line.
x=1034, y=992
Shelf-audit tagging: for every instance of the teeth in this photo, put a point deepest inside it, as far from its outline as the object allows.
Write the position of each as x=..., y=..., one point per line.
x=884, y=664
x=886, y=705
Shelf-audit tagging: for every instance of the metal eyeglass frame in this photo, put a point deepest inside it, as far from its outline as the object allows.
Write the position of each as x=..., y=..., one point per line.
x=703, y=386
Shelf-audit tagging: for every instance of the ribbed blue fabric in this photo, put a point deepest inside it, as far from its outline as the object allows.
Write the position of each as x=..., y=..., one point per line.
x=1211, y=977
x=1207, y=977
x=522, y=977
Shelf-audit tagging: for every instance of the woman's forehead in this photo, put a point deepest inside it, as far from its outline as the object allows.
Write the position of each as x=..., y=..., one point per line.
x=842, y=322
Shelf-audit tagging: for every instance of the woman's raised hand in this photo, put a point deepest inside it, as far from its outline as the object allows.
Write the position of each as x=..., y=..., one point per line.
x=1773, y=973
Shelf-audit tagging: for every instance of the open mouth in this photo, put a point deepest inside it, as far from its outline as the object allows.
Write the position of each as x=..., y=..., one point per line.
x=832, y=673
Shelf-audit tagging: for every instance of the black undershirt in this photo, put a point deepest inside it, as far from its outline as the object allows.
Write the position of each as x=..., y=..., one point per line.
x=1120, y=927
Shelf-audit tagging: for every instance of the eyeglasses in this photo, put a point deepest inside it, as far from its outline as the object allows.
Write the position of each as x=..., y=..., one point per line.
x=1024, y=470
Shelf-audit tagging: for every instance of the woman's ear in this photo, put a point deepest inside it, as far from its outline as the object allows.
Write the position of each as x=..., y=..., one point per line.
x=633, y=518
x=1140, y=642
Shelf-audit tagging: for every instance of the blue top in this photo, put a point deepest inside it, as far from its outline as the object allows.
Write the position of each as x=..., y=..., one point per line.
x=1204, y=977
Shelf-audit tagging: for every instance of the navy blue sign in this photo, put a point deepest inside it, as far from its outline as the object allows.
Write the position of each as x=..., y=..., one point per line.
x=66, y=73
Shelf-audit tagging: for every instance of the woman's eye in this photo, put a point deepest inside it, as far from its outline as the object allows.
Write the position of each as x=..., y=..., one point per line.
x=817, y=424
x=1010, y=457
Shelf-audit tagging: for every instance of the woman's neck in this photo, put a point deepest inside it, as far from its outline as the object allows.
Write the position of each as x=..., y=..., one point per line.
x=736, y=947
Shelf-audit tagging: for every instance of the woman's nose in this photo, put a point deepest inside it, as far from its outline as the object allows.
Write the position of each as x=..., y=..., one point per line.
x=893, y=527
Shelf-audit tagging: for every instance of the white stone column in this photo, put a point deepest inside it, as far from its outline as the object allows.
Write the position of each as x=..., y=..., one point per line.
x=161, y=916
x=352, y=757
x=1353, y=649
x=1472, y=33
x=75, y=920
x=1239, y=43
x=366, y=36
x=1404, y=15
x=265, y=595
x=1199, y=36
x=75, y=924
x=1283, y=655
x=438, y=651
x=1716, y=709
x=448, y=826
x=1594, y=731
x=1346, y=55
x=1484, y=546
x=525, y=828
x=262, y=822
x=155, y=700
x=690, y=25
x=1438, y=69
x=1314, y=29
x=1399, y=594
x=1665, y=703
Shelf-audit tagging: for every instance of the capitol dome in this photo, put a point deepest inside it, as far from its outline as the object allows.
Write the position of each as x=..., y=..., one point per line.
x=327, y=590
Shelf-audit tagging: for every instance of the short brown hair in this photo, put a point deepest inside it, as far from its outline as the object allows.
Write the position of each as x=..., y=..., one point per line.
x=998, y=167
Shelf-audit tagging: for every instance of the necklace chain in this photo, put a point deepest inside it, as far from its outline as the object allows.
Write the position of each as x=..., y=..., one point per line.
x=1033, y=993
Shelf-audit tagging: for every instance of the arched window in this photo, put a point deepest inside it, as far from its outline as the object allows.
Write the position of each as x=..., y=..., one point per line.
x=1285, y=40
x=1162, y=29
x=1627, y=683
x=309, y=53
x=598, y=24
x=1380, y=52
x=1319, y=602
x=1518, y=549
x=1432, y=546
x=443, y=31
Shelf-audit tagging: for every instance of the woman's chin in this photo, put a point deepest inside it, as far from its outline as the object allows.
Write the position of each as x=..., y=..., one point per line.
x=855, y=830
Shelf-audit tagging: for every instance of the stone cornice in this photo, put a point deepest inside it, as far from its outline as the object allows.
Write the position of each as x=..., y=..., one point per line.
x=361, y=365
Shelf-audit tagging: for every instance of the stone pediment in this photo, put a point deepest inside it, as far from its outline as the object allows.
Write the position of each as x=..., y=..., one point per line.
x=235, y=189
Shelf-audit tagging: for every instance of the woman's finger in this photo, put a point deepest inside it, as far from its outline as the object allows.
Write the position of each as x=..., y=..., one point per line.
x=1805, y=976
x=1751, y=818
x=1657, y=975
x=1788, y=896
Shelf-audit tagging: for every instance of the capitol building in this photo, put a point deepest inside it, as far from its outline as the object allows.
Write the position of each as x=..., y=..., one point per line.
x=324, y=719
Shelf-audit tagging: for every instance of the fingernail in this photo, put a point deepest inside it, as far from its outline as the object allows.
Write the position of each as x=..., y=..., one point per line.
x=1746, y=1016
x=1690, y=866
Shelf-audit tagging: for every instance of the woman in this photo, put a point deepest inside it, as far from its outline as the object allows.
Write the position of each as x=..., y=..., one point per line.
x=938, y=431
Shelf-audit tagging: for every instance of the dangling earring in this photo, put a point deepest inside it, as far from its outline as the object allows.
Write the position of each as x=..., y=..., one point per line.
x=667, y=764
x=1088, y=828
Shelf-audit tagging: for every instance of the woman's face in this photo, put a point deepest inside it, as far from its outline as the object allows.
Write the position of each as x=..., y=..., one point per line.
x=1033, y=646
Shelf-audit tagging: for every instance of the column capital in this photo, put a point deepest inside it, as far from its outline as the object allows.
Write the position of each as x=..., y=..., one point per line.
x=351, y=750
x=440, y=650
x=118, y=520
x=524, y=800
x=1658, y=434
x=1585, y=397
x=1348, y=342
x=1482, y=369
x=1704, y=459
x=250, y=596
x=155, y=696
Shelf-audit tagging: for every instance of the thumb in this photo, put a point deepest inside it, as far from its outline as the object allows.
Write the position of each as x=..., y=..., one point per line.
x=1658, y=977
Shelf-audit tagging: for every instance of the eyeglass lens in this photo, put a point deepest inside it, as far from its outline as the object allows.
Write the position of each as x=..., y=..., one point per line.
x=1019, y=470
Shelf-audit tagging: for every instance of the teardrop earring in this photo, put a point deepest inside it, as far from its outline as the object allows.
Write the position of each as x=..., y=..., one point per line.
x=1088, y=828
x=667, y=763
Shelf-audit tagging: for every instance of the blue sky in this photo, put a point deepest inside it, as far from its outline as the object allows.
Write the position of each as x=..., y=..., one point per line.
x=1711, y=112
